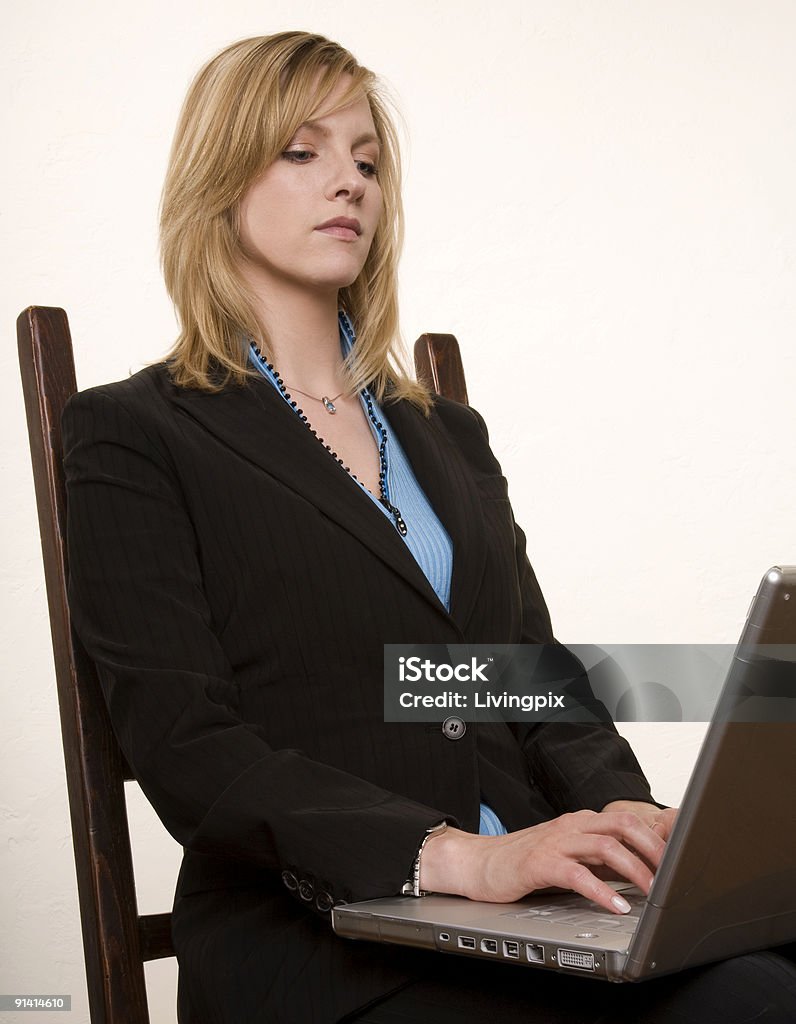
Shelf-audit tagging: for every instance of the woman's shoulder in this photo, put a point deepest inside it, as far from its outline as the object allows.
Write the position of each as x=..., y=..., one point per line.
x=463, y=427
x=459, y=417
x=148, y=384
x=148, y=396
x=138, y=406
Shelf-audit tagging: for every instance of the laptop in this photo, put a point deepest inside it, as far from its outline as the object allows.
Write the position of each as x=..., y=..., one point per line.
x=726, y=884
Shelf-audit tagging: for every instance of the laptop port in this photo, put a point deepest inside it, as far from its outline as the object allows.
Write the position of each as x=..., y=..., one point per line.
x=444, y=937
x=534, y=952
x=511, y=950
x=466, y=942
x=576, y=958
x=489, y=946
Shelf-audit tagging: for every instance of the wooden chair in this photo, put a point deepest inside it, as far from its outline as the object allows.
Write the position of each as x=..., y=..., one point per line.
x=117, y=941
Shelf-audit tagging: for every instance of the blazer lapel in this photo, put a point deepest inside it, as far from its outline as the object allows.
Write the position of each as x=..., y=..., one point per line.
x=255, y=422
x=442, y=472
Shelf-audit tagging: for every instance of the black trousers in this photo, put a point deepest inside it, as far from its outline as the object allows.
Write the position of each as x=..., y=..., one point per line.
x=759, y=987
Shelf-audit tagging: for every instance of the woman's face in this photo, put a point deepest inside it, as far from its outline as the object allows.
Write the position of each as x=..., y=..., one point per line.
x=327, y=173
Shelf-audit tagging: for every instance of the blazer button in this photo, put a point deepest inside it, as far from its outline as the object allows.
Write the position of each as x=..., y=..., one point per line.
x=290, y=880
x=324, y=902
x=306, y=890
x=453, y=728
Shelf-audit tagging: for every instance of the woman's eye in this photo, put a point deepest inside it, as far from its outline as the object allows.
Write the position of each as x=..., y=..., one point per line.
x=297, y=156
x=303, y=156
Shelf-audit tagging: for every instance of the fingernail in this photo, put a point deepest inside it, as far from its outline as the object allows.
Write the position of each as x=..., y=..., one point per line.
x=621, y=904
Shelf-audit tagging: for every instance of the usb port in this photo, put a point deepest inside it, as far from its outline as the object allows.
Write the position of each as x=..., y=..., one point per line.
x=466, y=942
x=489, y=945
x=511, y=950
x=534, y=952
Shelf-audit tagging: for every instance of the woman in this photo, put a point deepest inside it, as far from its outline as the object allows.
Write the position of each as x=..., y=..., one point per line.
x=252, y=519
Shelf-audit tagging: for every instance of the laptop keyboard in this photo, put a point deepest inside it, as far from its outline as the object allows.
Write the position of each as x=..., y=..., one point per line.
x=564, y=913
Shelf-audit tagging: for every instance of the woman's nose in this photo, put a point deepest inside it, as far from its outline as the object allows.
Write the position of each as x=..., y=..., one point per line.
x=345, y=182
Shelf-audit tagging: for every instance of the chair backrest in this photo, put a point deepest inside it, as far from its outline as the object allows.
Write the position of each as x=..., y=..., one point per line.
x=116, y=939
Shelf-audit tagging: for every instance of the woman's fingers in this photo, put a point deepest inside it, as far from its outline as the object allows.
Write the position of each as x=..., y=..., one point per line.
x=664, y=823
x=659, y=819
x=603, y=850
x=613, y=843
x=631, y=831
x=584, y=882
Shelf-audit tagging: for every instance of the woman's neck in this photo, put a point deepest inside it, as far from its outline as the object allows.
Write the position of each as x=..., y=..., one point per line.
x=304, y=338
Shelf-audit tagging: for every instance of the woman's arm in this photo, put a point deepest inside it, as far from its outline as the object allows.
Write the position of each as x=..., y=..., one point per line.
x=577, y=765
x=583, y=770
x=138, y=605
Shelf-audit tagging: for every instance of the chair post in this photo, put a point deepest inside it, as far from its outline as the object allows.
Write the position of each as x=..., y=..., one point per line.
x=95, y=767
x=438, y=362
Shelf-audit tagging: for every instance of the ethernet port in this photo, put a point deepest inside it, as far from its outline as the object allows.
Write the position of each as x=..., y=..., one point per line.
x=534, y=952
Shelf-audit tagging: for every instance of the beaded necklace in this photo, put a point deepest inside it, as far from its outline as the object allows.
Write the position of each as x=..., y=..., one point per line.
x=263, y=365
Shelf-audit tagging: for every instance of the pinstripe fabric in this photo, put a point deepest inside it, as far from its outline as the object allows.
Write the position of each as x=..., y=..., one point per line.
x=235, y=588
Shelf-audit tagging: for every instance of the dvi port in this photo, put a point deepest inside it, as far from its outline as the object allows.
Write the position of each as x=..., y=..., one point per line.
x=576, y=958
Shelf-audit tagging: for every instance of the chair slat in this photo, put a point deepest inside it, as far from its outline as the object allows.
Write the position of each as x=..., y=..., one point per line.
x=155, y=936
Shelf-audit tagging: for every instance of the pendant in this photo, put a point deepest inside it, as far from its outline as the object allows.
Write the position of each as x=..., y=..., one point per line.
x=328, y=404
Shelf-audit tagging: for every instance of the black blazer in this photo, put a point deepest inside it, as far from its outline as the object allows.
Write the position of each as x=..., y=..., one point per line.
x=236, y=587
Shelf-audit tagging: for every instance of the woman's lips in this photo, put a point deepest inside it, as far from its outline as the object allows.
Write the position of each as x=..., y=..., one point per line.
x=340, y=232
x=347, y=228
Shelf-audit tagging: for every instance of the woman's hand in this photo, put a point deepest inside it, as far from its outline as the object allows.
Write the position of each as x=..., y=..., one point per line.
x=661, y=821
x=618, y=842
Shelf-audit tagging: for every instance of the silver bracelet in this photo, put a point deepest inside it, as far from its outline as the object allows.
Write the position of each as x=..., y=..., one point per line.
x=411, y=886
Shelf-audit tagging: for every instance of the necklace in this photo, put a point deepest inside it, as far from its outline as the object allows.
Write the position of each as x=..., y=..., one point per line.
x=395, y=512
x=328, y=403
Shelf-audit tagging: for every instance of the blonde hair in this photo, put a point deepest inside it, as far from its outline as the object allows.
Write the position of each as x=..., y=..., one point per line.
x=241, y=111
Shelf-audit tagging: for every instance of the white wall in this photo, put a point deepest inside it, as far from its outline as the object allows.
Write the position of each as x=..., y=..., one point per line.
x=600, y=206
